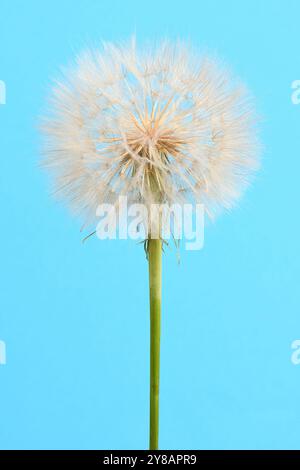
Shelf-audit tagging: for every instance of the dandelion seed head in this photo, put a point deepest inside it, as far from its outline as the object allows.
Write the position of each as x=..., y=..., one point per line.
x=161, y=124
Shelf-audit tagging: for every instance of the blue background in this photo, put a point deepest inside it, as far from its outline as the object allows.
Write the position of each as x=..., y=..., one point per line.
x=75, y=317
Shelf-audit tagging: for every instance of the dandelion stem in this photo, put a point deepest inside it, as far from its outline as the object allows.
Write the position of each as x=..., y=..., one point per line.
x=155, y=258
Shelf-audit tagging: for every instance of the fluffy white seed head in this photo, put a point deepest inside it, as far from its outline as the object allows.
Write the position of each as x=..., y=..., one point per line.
x=157, y=125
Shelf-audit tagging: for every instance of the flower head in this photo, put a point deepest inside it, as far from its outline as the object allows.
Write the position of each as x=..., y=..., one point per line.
x=157, y=125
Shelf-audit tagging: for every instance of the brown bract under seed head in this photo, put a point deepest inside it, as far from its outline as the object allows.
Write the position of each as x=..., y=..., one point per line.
x=161, y=123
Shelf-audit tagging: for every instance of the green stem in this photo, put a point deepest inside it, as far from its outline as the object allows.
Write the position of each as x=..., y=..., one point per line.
x=155, y=256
